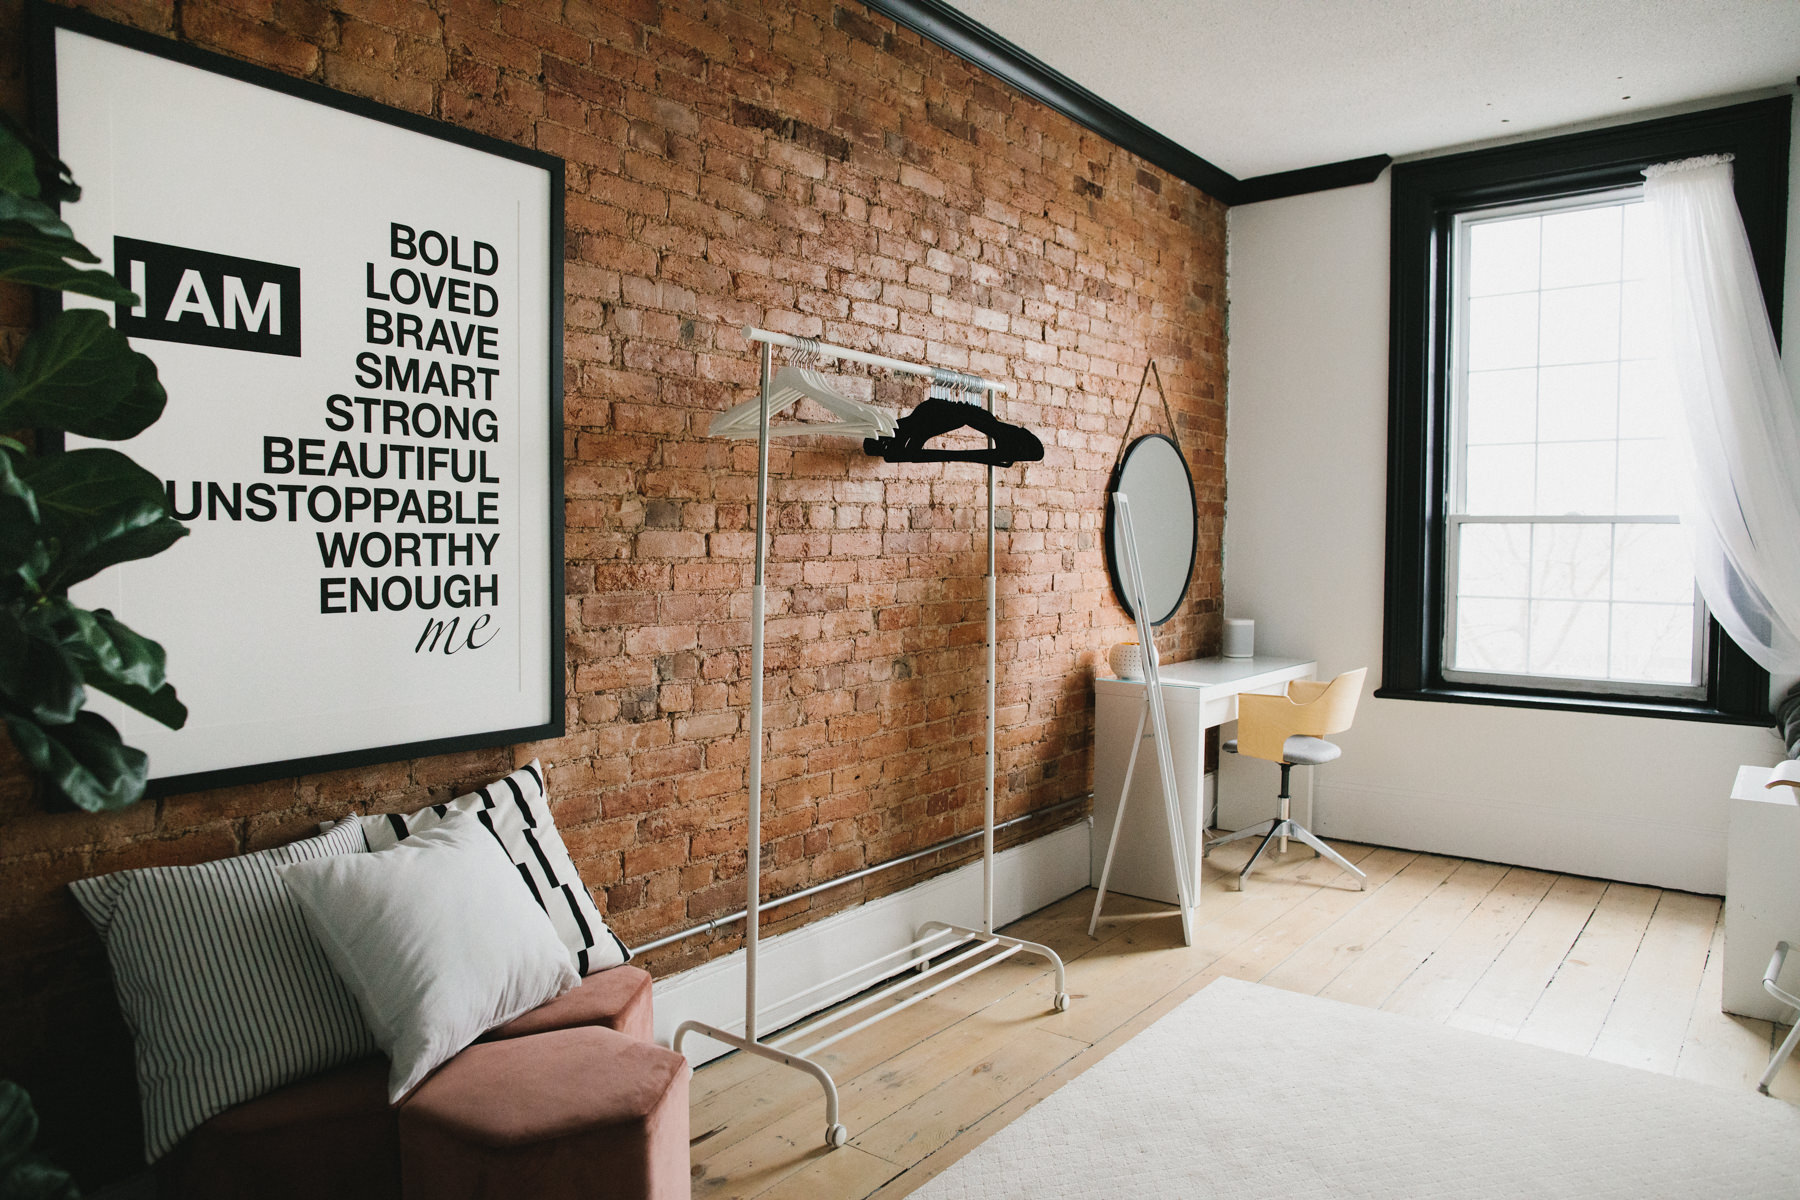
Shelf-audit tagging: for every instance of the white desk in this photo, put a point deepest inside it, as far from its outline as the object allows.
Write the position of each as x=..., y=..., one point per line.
x=1197, y=696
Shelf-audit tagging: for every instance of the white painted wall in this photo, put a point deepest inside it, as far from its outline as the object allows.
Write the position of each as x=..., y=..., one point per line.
x=1626, y=798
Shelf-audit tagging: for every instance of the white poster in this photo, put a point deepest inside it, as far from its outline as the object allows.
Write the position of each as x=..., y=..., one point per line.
x=352, y=312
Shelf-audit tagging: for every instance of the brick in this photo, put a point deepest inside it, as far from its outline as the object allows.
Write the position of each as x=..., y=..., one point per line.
x=268, y=46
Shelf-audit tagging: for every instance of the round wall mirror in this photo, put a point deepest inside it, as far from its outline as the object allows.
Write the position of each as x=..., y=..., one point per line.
x=1154, y=476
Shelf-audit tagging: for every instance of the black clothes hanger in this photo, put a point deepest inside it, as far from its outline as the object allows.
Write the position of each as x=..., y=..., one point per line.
x=1011, y=443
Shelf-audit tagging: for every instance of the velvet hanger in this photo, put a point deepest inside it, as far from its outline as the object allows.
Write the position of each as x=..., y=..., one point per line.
x=791, y=384
x=937, y=415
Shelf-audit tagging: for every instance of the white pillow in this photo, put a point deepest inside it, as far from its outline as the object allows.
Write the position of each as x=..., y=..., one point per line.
x=436, y=940
x=517, y=812
x=227, y=992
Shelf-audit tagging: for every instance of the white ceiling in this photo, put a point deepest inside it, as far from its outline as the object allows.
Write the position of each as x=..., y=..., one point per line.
x=1258, y=86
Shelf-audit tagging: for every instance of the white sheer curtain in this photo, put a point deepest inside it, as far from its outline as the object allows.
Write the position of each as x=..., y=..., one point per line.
x=1742, y=427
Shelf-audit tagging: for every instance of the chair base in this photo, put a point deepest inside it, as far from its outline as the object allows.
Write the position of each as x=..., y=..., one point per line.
x=1284, y=828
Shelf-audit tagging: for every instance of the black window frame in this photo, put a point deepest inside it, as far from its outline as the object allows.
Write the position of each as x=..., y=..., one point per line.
x=1427, y=197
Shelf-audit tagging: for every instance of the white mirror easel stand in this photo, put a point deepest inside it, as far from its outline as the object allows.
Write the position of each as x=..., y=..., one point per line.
x=1157, y=719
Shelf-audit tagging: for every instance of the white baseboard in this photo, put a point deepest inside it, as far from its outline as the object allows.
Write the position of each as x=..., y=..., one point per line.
x=1026, y=878
x=1657, y=852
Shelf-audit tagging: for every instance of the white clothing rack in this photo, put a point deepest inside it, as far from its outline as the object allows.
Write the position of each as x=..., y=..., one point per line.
x=968, y=950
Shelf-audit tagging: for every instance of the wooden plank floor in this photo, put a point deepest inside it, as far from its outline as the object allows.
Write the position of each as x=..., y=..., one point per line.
x=1618, y=972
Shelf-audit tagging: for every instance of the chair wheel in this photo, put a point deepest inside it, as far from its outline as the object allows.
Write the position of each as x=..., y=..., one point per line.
x=836, y=1135
x=1061, y=1003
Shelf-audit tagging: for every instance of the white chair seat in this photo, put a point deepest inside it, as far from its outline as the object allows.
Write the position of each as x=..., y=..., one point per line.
x=1300, y=750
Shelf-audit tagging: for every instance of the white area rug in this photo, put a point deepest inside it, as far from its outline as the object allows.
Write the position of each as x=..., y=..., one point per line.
x=1248, y=1092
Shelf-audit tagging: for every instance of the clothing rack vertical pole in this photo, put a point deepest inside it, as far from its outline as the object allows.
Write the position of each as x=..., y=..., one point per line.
x=753, y=867
x=987, y=830
x=941, y=948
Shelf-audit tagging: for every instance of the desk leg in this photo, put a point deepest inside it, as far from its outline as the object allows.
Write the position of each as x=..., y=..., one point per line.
x=1112, y=841
x=1185, y=882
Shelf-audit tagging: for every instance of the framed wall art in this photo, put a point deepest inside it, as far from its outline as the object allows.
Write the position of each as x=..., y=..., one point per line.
x=357, y=314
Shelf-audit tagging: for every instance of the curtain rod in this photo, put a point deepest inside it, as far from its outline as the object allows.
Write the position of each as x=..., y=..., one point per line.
x=852, y=877
x=941, y=374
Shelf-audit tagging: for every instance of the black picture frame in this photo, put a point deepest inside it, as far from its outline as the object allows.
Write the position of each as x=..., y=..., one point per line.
x=43, y=21
x=1426, y=197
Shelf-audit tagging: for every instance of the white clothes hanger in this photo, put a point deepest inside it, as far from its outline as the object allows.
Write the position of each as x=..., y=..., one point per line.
x=791, y=384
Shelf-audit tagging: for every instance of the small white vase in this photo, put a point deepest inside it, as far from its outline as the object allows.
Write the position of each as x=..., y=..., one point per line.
x=1126, y=660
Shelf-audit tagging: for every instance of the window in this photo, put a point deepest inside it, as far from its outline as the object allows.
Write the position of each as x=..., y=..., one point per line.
x=1563, y=561
x=1534, y=556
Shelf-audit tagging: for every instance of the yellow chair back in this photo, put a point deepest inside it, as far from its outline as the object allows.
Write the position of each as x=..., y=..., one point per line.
x=1308, y=708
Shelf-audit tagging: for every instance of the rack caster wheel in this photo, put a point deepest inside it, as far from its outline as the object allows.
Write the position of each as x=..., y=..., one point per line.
x=835, y=1136
x=1061, y=1003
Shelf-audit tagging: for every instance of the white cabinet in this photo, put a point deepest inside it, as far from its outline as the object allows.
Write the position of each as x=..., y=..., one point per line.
x=1762, y=891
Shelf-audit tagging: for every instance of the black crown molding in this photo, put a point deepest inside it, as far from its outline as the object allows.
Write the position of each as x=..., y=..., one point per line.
x=1321, y=178
x=938, y=22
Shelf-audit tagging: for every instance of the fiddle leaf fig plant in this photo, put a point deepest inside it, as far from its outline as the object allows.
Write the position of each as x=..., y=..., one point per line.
x=66, y=516
x=24, y=1175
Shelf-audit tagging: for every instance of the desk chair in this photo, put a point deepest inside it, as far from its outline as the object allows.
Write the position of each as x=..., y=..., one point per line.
x=1288, y=729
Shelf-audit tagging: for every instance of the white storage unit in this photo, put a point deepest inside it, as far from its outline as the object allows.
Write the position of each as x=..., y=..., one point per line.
x=1762, y=891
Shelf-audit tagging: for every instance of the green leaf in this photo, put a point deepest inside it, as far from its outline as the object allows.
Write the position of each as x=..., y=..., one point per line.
x=18, y=172
x=12, y=487
x=17, y=237
x=100, y=643
x=33, y=571
x=50, y=180
x=46, y=269
x=117, y=660
x=99, y=508
x=38, y=216
x=142, y=661
x=83, y=762
x=128, y=544
x=37, y=674
x=35, y=1179
x=79, y=374
x=26, y=222
x=19, y=531
x=126, y=536
x=80, y=485
x=111, y=657
x=18, y=1123
x=162, y=705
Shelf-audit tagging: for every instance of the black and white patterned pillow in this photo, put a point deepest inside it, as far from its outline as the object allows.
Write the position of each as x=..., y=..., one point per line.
x=517, y=812
x=227, y=992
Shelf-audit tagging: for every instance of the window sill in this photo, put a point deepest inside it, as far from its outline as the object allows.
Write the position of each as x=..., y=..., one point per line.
x=1668, y=710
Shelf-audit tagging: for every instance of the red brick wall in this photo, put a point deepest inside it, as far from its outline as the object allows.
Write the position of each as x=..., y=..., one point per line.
x=803, y=166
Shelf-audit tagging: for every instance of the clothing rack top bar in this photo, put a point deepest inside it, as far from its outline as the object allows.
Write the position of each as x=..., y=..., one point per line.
x=973, y=382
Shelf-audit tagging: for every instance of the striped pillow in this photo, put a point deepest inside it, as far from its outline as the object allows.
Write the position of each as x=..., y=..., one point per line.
x=227, y=992
x=517, y=812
